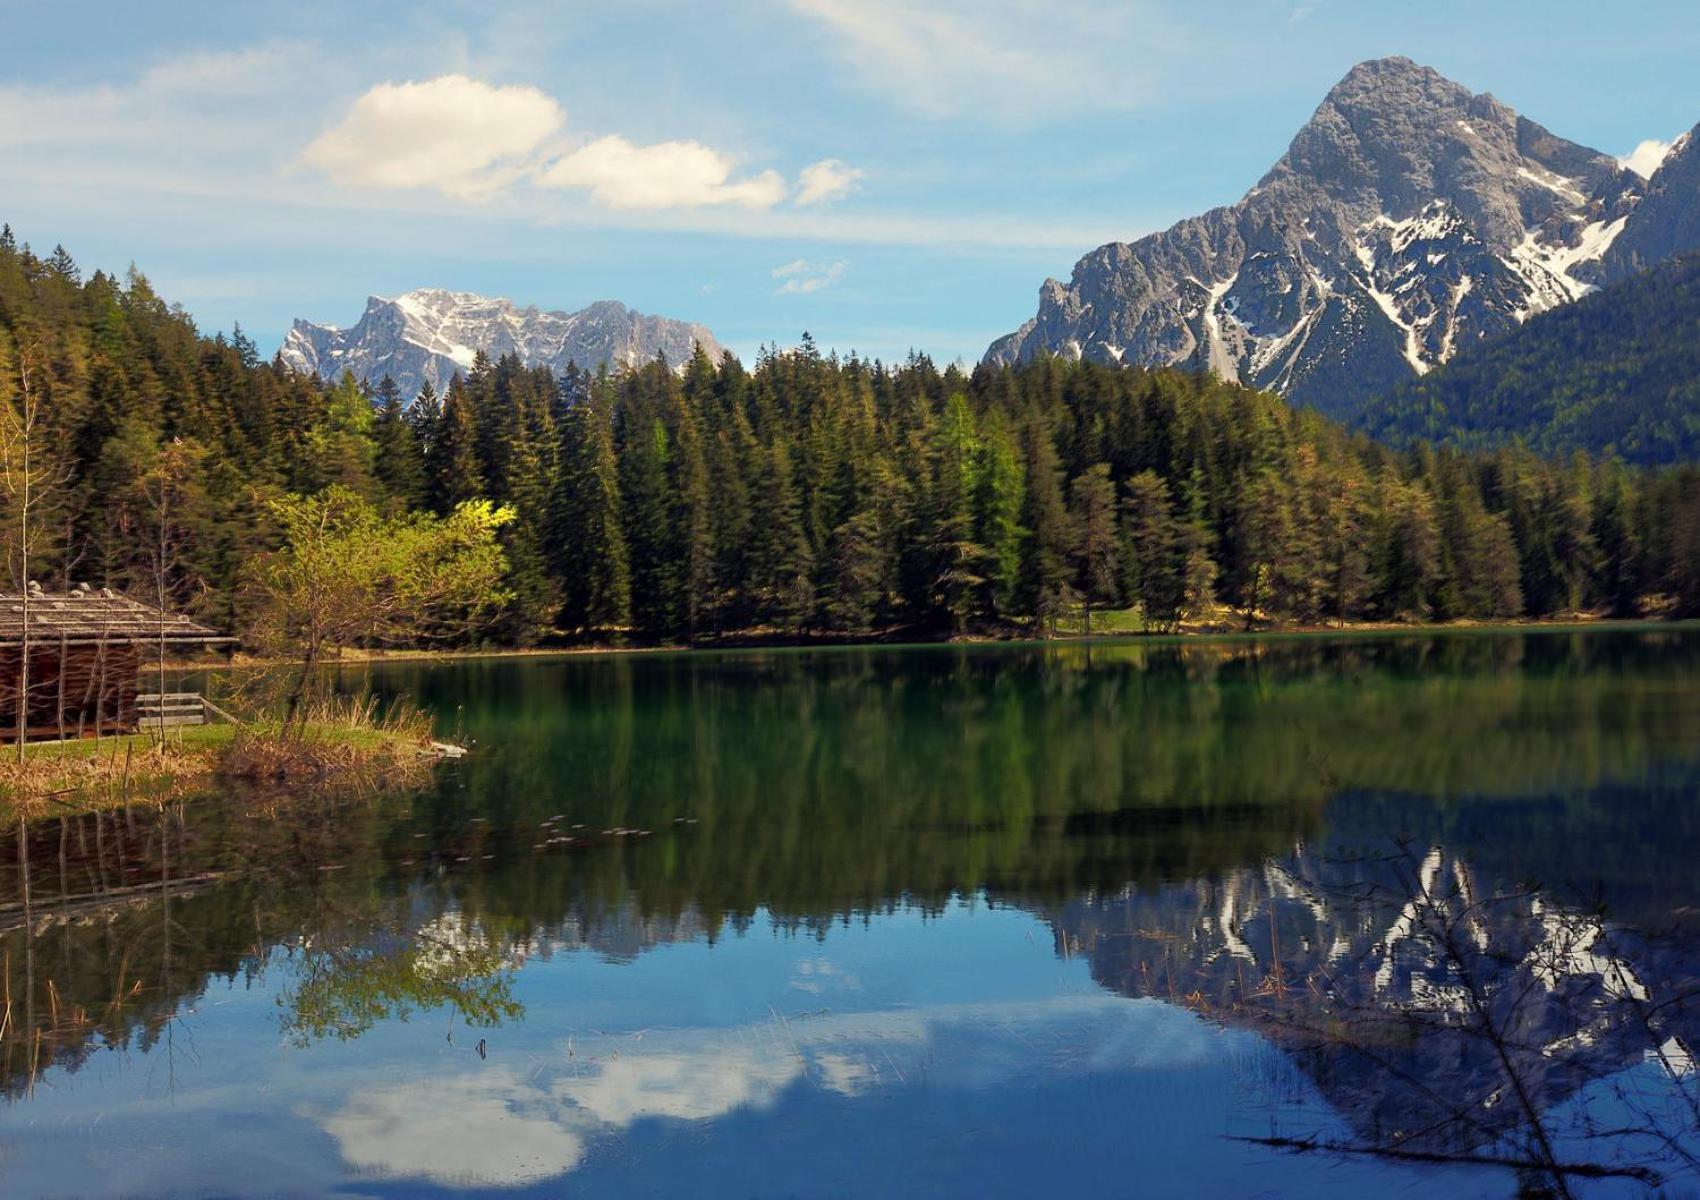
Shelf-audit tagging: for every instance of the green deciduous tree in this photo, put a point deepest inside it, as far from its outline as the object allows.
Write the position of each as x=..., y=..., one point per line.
x=348, y=574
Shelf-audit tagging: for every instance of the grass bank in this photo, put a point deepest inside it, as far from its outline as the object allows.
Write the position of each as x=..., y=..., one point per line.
x=329, y=748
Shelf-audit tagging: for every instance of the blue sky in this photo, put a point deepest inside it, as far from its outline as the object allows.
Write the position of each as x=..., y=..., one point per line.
x=888, y=175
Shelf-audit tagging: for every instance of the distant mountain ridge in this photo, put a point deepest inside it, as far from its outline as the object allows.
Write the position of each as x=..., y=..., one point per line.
x=1409, y=218
x=429, y=334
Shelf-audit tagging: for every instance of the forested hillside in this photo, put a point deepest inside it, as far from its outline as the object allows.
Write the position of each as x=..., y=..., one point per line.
x=1618, y=372
x=809, y=495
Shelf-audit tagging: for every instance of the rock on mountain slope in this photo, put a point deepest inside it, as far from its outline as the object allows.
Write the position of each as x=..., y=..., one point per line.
x=1408, y=218
x=431, y=334
x=1667, y=221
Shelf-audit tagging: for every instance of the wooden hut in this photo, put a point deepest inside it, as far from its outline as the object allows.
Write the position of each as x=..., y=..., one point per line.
x=86, y=650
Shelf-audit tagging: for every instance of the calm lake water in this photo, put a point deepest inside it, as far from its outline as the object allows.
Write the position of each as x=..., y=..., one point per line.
x=985, y=921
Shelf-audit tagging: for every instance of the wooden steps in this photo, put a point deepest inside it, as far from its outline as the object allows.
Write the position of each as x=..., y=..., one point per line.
x=159, y=710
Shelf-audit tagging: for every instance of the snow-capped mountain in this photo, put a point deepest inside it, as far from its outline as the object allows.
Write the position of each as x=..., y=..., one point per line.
x=430, y=334
x=1408, y=218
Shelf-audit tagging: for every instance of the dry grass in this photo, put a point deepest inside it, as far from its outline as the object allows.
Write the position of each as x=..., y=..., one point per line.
x=338, y=741
x=337, y=738
x=321, y=757
x=97, y=773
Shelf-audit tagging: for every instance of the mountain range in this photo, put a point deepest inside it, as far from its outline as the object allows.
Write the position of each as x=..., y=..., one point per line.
x=428, y=335
x=1409, y=219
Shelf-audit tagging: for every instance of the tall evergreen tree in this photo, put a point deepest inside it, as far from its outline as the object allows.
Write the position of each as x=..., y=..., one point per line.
x=1098, y=548
x=1046, y=590
x=399, y=465
x=1152, y=575
x=1000, y=495
x=586, y=534
x=781, y=561
x=452, y=472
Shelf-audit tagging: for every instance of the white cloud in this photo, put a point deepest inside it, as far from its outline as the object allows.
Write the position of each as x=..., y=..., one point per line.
x=1648, y=157
x=691, y=1084
x=802, y=276
x=828, y=180
x=191, y=143
x=665, y=175
x=473, y=140
x=1013, y=61
x=494, y=1131
x=462, y=136
x=497, y=1128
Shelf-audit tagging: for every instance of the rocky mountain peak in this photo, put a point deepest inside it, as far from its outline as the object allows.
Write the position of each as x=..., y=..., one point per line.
x=429, y=334
x=1667, y=221
x=1409, y=217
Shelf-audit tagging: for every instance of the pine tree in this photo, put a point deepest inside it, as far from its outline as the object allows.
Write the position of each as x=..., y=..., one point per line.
x=452, y=473
x=1152, y=574
x=247, y=353
x=781, y=562
x=425, y=415
x=340, y=447
x=692, y=521
x=1198, y=572
x=399, y=465
x=65, y=267
x=586, y=535
x=999, y=496
x=959, y=560
x=643, y=467
x=1046, y=589
x=1097, y=550
x=1617, y=578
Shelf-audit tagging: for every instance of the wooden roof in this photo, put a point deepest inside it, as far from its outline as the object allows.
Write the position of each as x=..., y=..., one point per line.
x=88, y=616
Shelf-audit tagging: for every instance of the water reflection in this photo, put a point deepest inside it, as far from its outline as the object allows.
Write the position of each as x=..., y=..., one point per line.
x=1256, y=889
x=1445, y=1012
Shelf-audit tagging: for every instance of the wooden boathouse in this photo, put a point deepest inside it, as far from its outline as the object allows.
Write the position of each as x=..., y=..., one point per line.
x=86, y=648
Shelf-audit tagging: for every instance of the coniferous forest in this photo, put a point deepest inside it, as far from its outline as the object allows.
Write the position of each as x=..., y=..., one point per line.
x=808, y=495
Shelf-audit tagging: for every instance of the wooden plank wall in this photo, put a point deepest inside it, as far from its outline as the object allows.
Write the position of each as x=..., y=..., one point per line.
x=74, y=691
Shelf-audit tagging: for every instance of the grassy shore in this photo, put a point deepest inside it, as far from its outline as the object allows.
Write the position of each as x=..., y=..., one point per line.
x=54, y=777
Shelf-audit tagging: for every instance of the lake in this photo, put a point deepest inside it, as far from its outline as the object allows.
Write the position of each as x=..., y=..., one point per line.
x=1286, y=917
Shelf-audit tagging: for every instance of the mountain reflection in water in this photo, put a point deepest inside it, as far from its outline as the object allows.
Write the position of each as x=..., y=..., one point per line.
x=1423, y=897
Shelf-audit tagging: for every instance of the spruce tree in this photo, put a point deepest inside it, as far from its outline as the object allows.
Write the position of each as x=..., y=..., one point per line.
x=65, y=267
x=1153, y=568
x=1000, y=494
x=425, y=415
x=643, y=468
x=452, y=473
x=586, y=535
x=781, y=562
x=1098, y=548
x=1046, y=590
x=399, y=466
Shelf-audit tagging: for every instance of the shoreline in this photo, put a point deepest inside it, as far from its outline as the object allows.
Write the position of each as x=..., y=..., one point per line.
x=97, y=774
x=1203, y=632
